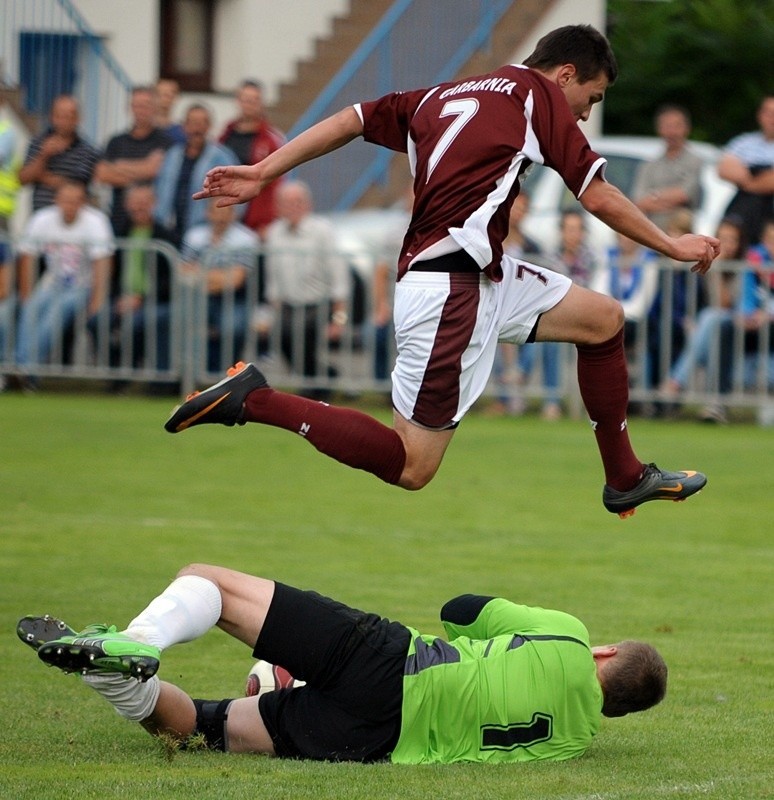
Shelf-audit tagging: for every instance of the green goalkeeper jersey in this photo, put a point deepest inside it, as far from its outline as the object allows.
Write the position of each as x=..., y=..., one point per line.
x=516, y=683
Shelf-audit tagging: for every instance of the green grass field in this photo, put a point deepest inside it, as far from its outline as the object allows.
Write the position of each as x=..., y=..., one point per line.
x=100, y=508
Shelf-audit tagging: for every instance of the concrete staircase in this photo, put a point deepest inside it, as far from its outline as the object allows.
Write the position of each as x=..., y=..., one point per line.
x=12, y=95
x=330, y=53
x=348, y=32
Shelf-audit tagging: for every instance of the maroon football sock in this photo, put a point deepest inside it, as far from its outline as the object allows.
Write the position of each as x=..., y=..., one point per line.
x=348, y=436
x=604, y=385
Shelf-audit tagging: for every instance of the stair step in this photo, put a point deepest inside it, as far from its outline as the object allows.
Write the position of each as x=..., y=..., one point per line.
x=347, y=33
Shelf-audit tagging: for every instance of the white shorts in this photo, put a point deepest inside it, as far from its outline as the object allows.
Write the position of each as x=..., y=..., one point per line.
x=447, y=326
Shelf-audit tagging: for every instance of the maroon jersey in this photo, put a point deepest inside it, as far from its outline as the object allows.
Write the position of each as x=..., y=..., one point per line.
x=468, y=142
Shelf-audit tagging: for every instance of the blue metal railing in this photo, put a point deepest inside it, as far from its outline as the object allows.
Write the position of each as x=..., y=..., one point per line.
x=413, y=45
x=47, y=48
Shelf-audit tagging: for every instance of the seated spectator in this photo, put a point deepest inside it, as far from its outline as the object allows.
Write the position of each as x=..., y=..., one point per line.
x=58, y=155
x=703, y=348
x=678, y=298
x=218, y=257
x=140, y=290
x=183, y=170
x=76, y=242
x=630, y=275
x=755, y=314
x=307, y=283
x=167, y=91
x=134, y=156
x=575, y=259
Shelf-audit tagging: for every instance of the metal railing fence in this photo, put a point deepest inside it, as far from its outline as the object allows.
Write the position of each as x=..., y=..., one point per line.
x=184, y=338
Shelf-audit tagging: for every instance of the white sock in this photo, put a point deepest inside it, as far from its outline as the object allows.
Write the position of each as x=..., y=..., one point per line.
x=185, y=610
x=130, y=698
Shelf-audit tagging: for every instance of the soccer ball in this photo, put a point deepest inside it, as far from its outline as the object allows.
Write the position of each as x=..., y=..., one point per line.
x=265, y=677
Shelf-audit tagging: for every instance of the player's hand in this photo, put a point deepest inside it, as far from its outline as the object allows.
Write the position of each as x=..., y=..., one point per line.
x=701, y=249
x=231, y=185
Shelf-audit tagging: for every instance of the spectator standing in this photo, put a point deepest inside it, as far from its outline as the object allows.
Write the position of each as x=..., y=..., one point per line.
x=9, y=181
x=630, y=275
x=252, y=137
x=58, y=155
x=167, y=92
x=307, y=281
x=9, y=189
x=134, y=156
x=218, y=256
x=141, y=287
x=673, y=180
x=748, y=163
x=77, y=243
x=574, y=258
x=183, y=170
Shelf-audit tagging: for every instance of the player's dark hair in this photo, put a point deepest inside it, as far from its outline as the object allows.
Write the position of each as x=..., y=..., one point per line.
x=580, y=45
x=633, y=680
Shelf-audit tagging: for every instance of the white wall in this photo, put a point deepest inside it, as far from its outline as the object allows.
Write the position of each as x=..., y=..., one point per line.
x=253, y=38
x=264, y=39
x=260, y=39
x=130, y=31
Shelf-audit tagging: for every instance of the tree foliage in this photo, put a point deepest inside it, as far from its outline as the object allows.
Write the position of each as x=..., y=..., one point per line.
x=715, y=57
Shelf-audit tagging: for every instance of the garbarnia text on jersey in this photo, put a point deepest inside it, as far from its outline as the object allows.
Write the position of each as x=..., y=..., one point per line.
x=485, y=85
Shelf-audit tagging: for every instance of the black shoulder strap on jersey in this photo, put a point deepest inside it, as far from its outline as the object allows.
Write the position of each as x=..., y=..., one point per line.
x=464, y=610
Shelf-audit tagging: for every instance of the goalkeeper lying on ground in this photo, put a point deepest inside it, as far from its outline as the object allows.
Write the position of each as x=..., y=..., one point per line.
x=513, y=683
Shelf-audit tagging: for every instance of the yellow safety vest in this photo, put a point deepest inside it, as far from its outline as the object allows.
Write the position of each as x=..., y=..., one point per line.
x=9, y=182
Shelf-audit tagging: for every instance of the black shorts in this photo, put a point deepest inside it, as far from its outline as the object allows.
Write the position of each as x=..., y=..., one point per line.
x=353, y=664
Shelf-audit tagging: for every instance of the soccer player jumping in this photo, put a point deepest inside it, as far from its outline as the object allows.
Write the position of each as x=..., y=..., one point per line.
x=468, y=143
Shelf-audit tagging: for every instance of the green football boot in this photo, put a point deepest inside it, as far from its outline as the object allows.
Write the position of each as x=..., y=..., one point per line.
x=101, y=649
x=36, y=631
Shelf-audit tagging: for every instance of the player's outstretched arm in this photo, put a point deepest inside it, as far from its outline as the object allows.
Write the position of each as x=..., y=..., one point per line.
x=231, y=185
x=239, y=184
x=609, y=204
